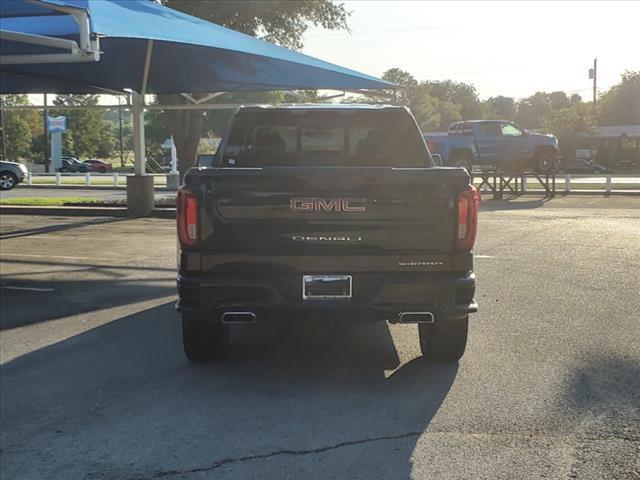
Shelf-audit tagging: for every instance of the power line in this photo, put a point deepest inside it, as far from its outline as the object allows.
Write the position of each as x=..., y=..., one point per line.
x=423, y=64
x=377, y=42
x=470, y=73
x=376, y=31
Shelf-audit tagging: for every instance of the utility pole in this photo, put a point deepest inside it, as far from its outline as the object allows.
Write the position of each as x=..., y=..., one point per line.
x=595, y=77
x=4, y=132
x=47, y=160
x=120, y=129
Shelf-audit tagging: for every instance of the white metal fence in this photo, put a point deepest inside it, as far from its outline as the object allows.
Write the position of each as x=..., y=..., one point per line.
x=88, y=179
x=584, y=182
x=564, y=183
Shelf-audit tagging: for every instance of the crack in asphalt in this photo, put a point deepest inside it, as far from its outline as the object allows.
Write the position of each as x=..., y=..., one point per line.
x=227, y=461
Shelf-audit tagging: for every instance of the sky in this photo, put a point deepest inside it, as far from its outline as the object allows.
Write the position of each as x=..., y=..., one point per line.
x=503, y=48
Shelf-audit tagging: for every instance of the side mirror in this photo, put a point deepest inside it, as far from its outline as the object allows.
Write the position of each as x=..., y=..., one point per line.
x=437, y=159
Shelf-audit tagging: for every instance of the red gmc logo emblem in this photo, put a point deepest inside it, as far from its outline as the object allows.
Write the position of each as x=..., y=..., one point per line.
x=327, y=205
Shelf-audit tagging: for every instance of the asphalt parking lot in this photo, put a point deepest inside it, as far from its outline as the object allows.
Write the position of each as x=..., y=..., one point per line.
x=94, y=383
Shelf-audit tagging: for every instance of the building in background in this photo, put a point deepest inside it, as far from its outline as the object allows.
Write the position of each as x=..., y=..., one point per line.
x=617, y=147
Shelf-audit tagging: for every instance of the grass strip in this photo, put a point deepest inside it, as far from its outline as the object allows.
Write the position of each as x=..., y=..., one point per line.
x=53, y=201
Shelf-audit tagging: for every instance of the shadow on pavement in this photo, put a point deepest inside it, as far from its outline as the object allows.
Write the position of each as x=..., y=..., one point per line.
x=121, y=401
x=604, y=395
x=58, y=227
x=607, y=390
x=83, y=266
x=513, y=203
x=20, y=307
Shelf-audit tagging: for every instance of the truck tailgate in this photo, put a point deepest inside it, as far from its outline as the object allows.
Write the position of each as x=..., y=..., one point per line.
x=328, y=210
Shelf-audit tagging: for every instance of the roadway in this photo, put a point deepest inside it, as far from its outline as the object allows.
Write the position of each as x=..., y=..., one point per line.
x=94, y=383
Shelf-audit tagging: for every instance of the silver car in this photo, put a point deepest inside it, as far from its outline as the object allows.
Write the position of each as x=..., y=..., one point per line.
x=11, y=174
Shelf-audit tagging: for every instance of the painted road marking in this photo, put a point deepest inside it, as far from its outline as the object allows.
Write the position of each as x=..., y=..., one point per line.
x=27, y=289
x=483, y=256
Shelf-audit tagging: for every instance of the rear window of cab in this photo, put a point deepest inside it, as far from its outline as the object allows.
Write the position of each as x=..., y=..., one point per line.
x=335, y=138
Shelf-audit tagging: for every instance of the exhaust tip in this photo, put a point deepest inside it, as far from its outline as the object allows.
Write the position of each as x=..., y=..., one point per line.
x=416, y=317
x=238, y=317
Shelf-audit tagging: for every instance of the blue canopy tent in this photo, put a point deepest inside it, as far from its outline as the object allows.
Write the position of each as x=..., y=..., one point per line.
x=139, y=46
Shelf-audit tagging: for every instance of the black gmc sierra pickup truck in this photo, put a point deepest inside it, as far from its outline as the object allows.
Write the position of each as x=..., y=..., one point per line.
x=326, y=211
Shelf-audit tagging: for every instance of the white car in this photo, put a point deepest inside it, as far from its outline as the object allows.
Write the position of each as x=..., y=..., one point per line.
x=11, y=174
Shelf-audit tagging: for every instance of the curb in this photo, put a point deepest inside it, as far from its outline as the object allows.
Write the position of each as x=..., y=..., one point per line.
x=81, y=211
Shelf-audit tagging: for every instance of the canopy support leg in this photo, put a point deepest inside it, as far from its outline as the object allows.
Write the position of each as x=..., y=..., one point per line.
x=140, y=194
x=137, y=112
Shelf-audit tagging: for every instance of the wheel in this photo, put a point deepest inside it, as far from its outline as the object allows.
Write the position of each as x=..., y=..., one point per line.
x=8, y=180
x=443, y=340
x=204, y=341
x=102, y=170
x=463, y=160
x=544, y=161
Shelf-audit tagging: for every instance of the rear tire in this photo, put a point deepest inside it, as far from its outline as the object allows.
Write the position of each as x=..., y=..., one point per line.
x=102, y=170
x=204, y=341
x=464, y=160
x=8, y=180
x=544, y=161
x=444, y=340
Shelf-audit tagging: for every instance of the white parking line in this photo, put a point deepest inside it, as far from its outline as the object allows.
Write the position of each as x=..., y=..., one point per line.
x=483, y=256
x=27, y=289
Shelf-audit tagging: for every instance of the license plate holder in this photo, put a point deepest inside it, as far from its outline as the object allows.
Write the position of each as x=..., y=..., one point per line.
x=326, y=287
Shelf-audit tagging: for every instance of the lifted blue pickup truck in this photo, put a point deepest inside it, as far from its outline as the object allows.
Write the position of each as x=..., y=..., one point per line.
x=494, y=144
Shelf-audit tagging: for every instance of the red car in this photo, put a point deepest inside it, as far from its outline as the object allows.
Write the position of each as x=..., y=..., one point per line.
x=98, y=166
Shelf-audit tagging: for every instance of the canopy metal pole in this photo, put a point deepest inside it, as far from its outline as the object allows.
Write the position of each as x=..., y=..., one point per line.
x=140, y=193
x=137, y=113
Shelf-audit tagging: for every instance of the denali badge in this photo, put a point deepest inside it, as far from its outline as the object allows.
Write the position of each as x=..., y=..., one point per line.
x=316, y=204
x=322, y=238
x=420, y=263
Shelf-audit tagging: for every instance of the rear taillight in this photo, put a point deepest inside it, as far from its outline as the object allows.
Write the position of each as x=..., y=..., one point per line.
x=187, y=205
x=468, y=203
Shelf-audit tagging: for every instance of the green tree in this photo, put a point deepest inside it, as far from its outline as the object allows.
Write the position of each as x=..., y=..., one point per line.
x=559, y=100
x=575, y=99
x=449, y=112
x=426, y=109
x=620, y=105
x=215, y=121
x=17, y=138
x=17, y=135
x=106, y=141
x=416, y=96
x=435, y=104
x=457, y=96
x=87, y=129
x=531, y=109
x=280, y=21
x=409, y=84
x=501, y=108
x=567, y=123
